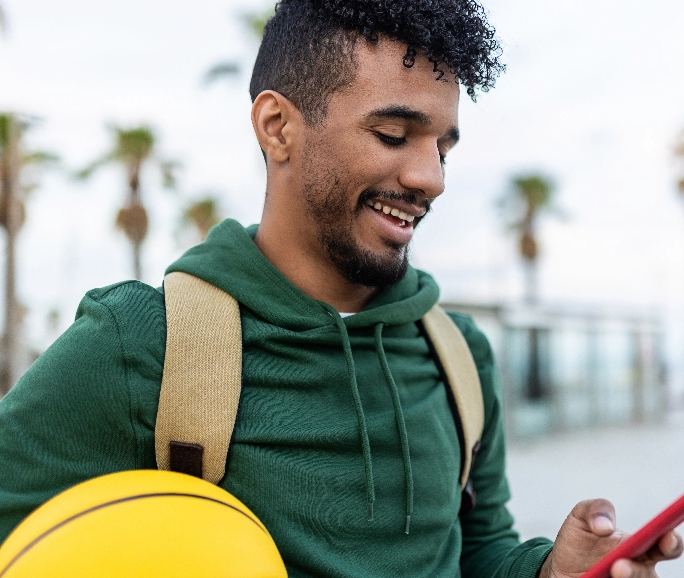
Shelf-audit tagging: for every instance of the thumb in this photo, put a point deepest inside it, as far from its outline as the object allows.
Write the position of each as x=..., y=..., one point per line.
x=597, y=515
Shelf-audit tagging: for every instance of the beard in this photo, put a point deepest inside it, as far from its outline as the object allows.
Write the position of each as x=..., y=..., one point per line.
x=328, y=205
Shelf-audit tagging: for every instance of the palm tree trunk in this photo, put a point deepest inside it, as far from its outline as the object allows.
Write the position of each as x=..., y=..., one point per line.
x=133, y=200
x=137, y=268
x=10, y=336
x=535, y=384
x=531, y=287
x=10, y=169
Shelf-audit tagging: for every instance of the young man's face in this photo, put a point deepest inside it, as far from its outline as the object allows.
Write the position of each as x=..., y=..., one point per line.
x=372, y=169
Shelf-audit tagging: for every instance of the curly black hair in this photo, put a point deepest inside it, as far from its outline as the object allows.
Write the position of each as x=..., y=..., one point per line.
x=307, y=52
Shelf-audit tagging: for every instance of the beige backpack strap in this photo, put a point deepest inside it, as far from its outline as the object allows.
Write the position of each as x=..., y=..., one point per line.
x=454, y=354
x=202, y=378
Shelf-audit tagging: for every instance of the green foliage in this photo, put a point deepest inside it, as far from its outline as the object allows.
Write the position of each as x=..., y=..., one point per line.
x=203, y=214
x=12, y=126
x=22, y=164
x=221, y=70
x=40, y=158
x=527, y=196
x=133, y=147
x=256, y=21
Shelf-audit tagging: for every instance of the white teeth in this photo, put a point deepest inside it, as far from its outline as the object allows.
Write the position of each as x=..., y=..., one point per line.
x=390, y=211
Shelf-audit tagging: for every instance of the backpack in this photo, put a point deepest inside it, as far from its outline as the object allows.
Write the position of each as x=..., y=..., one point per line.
x=202, y=380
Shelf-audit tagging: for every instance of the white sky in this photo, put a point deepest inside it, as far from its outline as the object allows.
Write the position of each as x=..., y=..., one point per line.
x=593, y=96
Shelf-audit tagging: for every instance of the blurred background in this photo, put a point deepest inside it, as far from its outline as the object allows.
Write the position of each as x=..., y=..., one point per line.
x=125, y=134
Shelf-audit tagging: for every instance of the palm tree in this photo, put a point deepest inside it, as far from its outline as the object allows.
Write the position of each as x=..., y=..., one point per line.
x=203, y=215
x=254, y=22
x=529, y=196
x=133, y=149
x=15, y=185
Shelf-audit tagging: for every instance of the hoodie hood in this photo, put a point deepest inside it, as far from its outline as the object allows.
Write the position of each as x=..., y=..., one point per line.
x=230, y=260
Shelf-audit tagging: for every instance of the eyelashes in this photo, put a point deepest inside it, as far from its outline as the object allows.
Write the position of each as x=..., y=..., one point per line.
x=391, y=140
x=398, y=141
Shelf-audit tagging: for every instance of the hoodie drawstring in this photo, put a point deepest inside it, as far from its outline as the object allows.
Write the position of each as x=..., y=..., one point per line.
x=401, y=424
x=360, y=416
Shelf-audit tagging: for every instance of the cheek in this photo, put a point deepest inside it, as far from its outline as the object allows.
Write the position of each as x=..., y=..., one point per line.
x=358, y=158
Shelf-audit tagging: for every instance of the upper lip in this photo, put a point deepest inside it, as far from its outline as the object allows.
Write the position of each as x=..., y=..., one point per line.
x=408, y=208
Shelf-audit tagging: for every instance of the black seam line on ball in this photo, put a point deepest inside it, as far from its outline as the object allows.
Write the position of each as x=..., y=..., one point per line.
x=33, y=543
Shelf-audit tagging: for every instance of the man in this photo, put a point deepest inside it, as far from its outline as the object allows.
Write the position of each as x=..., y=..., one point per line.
x=345, y=445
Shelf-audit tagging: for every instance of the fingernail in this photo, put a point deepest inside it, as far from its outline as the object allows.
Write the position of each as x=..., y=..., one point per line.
x=623, y=569
x=603, y=524
x=670, y=543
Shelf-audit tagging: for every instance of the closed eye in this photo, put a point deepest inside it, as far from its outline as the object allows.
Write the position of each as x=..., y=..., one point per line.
x=391, y=140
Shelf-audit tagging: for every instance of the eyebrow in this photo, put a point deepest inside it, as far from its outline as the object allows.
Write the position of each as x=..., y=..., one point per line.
x=411, y=114
x=401, y=112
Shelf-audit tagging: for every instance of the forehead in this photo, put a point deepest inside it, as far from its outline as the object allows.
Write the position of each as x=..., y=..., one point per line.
x=383, y=81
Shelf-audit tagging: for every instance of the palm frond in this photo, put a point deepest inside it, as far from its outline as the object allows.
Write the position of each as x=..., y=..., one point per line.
x=40, y=158
x=535, y=190
x=220, y=71
x=256, y=21
x=168, y=173
x=86, y=172
x=203, y=214
x=133, y=144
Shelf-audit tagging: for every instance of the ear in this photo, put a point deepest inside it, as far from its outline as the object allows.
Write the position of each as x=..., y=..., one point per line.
x=275, y=120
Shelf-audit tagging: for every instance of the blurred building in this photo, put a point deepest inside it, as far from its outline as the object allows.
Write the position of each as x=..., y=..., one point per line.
x=564, y=368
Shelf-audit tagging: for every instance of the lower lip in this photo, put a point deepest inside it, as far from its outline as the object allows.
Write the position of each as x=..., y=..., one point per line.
x=389, y=227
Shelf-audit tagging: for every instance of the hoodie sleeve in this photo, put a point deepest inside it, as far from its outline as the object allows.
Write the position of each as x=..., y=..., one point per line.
x=490, y=544
x=74, y=415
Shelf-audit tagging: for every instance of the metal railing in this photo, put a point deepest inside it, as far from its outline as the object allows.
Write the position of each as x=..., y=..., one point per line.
x=566, y=368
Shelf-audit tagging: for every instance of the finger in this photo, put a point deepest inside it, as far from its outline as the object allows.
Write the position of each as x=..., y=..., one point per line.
x=622, y=569
x=598, y=515
x=670, y=546
x=629, y=569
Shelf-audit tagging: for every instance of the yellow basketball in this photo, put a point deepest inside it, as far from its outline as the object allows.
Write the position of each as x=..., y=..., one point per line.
x=141, y=524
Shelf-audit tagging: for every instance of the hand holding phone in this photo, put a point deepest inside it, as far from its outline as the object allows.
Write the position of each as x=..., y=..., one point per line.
x=641, y=541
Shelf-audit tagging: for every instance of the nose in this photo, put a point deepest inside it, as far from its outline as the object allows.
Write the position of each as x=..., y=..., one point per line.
x=422, y=170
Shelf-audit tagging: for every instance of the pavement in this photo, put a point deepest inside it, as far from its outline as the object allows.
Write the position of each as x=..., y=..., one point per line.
x=639, y=468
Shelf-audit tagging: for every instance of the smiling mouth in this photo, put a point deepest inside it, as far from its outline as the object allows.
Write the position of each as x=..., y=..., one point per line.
x=398, y=217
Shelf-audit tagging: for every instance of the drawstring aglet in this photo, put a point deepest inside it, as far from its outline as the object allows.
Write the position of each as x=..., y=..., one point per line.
x=370, y=511
x=408, y=523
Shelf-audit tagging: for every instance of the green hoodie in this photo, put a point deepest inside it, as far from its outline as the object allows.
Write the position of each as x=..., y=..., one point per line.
x=343, y=435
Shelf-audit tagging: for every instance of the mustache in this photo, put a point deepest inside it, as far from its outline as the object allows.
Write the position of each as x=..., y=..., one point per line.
x=389, y=195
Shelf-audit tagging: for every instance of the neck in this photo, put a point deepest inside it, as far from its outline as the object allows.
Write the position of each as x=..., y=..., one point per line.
x=307, y=267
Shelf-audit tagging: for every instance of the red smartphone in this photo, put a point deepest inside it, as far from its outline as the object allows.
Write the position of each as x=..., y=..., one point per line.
x=641, y=541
